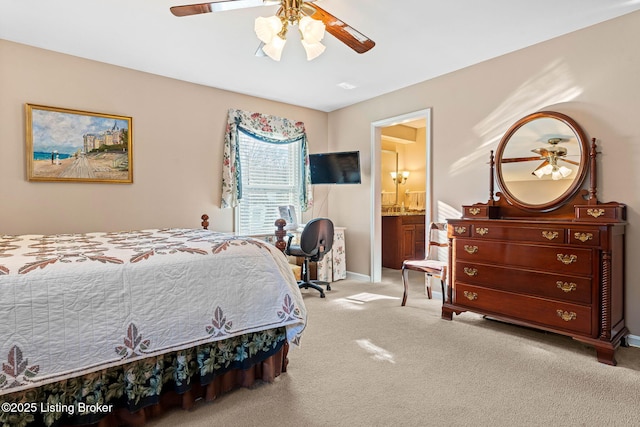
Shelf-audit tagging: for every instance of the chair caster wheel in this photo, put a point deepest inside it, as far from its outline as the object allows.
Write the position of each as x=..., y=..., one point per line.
x=322, y=295
x=328, y=287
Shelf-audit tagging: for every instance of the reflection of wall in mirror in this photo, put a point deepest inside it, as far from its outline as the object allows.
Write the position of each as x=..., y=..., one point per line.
x=535, y=192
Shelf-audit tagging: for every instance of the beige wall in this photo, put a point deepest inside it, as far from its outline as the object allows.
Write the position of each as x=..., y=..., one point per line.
x=177, y=139
x=591, y=75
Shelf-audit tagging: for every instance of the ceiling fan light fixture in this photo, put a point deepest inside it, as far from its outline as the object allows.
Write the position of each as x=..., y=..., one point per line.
x=547, y=170
x=274, y=48
x=312, y=30
x=564, y=171
x=313, y=49
x=267, y=28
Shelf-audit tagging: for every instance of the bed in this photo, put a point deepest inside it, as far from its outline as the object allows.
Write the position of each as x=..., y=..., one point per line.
x=115, y=327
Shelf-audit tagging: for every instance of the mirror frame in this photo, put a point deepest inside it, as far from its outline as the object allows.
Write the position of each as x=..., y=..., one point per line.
x=580, y=174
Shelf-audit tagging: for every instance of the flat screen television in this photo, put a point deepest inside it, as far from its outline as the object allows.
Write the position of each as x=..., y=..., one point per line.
x=335, y=168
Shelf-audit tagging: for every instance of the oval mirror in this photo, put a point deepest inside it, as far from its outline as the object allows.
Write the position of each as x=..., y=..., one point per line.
x=541, y=161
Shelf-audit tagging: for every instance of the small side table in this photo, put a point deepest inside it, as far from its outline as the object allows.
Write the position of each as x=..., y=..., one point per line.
x=333, y=266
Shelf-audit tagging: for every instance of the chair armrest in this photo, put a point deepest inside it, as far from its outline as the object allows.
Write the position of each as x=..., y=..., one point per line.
x=290, y=238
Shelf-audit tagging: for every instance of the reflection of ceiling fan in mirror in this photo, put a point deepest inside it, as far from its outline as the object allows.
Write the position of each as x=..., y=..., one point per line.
x=312, y=21
x=550, y=157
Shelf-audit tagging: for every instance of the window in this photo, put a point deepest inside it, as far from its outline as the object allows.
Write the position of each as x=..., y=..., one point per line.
x=271, y=176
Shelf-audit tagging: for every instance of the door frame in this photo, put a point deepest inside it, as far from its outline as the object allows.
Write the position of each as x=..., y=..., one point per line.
x=376, y=181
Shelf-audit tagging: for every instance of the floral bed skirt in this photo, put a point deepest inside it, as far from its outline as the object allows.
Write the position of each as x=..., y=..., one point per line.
x=90, y=398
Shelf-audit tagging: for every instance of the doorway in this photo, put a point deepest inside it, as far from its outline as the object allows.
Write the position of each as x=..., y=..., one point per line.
x=377, y=130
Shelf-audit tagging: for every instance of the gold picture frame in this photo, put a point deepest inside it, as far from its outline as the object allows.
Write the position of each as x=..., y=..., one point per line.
x=65, y=145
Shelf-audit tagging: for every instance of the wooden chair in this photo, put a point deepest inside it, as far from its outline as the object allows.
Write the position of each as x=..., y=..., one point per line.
x=431, y=266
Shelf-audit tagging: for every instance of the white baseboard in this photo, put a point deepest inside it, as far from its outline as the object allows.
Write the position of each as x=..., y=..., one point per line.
x=359, y=277
x=633, y=340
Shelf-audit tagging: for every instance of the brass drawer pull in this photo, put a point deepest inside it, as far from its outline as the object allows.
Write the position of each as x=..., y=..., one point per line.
x=566, y=316
x=583, y=237
x=470, y=271
x=567, y=259
x=471, y=249
x=550, y=235
x=567, y=287
x=474, y=211
x=595, y=212
x=460, y=229
x=482, y=231
x=471, y=295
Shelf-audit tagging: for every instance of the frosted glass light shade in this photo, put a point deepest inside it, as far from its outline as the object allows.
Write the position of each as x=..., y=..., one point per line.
x=267, y=28
x=274, y=48
x=313, y=49
x=311, y=29
x=564, y=171
x=543, y=171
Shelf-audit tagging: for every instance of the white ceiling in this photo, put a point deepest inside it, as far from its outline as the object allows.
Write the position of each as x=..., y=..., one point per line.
x=416, y=40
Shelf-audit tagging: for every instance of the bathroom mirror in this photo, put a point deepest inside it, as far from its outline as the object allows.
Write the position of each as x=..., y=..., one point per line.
x=389, y=165
x=541, y=161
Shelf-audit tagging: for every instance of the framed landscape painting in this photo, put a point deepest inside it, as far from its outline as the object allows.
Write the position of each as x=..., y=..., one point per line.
x=78, y=146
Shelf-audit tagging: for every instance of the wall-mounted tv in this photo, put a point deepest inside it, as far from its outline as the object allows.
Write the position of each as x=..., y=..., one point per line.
x=335, y=168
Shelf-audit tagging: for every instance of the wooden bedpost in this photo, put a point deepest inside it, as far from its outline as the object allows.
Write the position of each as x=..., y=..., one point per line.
x=280, y=233
x=205, y=221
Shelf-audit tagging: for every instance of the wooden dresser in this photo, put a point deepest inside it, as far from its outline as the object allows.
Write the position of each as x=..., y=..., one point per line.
x=561, y=276
x=559, y=268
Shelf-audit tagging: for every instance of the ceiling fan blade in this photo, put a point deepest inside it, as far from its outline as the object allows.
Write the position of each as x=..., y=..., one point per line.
x=542, y=151
x=521, y=159
x=218, y=6
x=259, y=51
x=339, y=29
x=569, y=161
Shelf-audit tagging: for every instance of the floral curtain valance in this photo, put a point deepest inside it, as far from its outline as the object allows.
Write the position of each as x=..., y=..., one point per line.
x=270, y=129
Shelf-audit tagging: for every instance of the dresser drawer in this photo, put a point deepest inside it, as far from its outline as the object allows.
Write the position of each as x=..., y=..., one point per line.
x=480, y=211
x=548, y=285
x=459, y=230
x=557, y=259
x=553, y=314
x=584, y=237
x=606, y=212
x=522, y=234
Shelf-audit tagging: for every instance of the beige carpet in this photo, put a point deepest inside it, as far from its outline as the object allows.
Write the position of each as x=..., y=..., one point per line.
x=366, y=361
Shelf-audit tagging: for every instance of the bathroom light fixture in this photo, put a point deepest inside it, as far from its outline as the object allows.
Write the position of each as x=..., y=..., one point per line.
x=272, y=31
x=402, y=178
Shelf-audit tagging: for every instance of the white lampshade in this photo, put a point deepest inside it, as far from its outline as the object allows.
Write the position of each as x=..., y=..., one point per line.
x=311, y=29
x=313, y=49
x=274, y=48
x=564, y=171
x=267, y=28
x=543, y=171
x=560, y=172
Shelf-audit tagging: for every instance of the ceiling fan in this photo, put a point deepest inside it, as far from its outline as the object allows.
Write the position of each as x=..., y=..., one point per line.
x=310, y=18
x=550, y=157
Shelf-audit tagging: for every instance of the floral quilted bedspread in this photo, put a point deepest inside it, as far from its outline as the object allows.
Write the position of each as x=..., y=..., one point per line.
x=77, y=303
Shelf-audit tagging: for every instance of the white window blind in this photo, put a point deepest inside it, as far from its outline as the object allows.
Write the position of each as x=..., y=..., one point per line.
x=271, y=177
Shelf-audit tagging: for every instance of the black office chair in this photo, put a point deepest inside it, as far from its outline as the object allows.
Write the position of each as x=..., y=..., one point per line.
x=316, y=240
